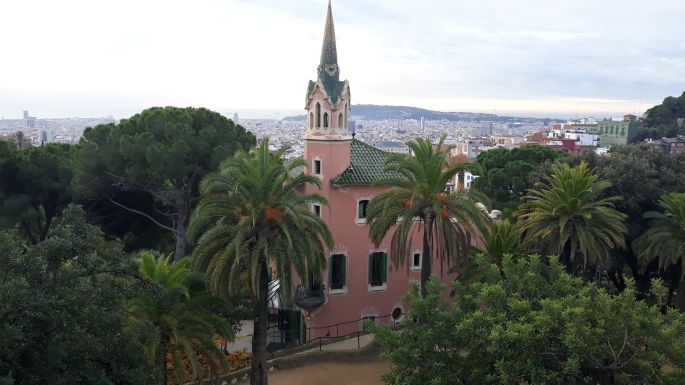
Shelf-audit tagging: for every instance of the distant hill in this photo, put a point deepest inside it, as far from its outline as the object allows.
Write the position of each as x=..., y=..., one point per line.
x=376, y=112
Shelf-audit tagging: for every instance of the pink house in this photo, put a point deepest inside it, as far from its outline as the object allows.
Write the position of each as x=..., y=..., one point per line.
x=360, y=281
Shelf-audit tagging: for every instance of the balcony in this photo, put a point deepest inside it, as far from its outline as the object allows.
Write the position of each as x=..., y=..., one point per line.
x=310, y=299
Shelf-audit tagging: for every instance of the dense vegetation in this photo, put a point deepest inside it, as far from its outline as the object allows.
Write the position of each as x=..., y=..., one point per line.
x=124, y=258
x=665, y=120
x=530, y=322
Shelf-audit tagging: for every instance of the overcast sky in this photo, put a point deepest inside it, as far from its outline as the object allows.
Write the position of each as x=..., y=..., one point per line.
x=523, y=57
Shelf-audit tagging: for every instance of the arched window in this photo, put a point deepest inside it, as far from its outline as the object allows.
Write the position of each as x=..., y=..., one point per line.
x=325, y=119
x=318, y=115
x=311, y=120
x=340, y=121
x=345, y=112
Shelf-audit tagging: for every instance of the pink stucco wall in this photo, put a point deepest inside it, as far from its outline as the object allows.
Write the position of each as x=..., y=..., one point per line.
x=352, y=239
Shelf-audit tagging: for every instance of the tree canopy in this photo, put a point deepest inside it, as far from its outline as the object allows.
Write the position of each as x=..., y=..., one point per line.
x=533, y=323
x=62, y=318
x=35, y=186
x=163, y=152
x=507, y=174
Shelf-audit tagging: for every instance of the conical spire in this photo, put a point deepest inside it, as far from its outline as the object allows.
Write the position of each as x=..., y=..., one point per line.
x=329, y=54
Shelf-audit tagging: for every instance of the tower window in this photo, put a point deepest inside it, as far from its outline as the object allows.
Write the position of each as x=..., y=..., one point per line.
x=317, y=167
x=337, y=271
x=311, y=120
x=340, y=121
x=378, y=269
x=325, y=119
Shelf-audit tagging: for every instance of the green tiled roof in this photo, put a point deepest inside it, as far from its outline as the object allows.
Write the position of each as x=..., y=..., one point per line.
x=329, y=53
x=367, y=165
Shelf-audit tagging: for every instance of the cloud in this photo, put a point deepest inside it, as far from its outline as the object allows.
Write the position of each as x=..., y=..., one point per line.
x=528, y=55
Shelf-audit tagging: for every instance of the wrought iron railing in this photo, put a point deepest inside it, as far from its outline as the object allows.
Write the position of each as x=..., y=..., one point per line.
x=310, y=299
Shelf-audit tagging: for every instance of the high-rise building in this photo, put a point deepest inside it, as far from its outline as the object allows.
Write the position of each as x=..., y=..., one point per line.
x=235, y=117
x=28, y=121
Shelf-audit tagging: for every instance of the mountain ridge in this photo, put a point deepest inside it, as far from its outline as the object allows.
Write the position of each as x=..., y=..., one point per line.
x=389, y=112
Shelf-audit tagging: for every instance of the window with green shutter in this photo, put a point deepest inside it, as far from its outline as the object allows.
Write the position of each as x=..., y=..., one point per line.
x=378, y=268
x=361, y=208
x=337, y=271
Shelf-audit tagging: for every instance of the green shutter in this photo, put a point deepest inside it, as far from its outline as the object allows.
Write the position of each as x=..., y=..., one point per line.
x=384, y=268
x=330, y=273
x=344, y=270
x=370, y=267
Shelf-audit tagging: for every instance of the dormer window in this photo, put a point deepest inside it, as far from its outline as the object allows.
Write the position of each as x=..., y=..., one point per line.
x=325, y=119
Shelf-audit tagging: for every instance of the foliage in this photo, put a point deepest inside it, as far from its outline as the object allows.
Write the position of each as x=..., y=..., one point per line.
x=663, y=120
x=163, y=152
x=665, y=238
x=446, y=221
x=505, y=238
x=508, y=174
x=564, y=215
x=183, y=315
x=640, y=174
x=534, y=324
x=61, y=309
x=35, y=187
x=252, y=217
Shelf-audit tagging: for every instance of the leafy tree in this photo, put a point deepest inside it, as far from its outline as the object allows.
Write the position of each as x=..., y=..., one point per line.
x=180, y=311
x=62, y=318
x=640, y=174
x=164, y=152
x=447, y=222
x=35, y=187
x=533, y=323
x=664, y=120
x=564, y=215
x=665, y=239
x=508, y=174
x=252, y=218
x=21, y=140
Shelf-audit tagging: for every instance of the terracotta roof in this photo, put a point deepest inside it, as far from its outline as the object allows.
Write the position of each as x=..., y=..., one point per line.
x=367, y=166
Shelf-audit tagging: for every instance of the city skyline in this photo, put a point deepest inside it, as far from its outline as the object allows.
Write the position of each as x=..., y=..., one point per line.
x=77, y=58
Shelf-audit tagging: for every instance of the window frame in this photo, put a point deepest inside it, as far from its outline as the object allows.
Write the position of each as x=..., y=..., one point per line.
x=336, y=289
x=359, y=219
x=379, y=281
x=415, y=267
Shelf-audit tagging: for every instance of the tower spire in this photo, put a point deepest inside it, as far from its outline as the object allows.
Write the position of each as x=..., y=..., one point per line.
x=329, y=54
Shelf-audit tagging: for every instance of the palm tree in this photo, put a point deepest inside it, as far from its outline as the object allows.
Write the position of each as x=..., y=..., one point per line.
x=181, y=312
x=253, y=219
x=505, y=238
x=565, y=215
x=665, y=238
x=21, y=140
x=446, y=221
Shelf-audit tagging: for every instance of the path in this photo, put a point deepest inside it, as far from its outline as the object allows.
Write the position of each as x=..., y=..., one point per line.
x=332, y=373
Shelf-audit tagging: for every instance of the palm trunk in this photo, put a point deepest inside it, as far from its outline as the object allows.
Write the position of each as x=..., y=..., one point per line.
x=426, y=259
x=258, y=372
x=161, y=361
